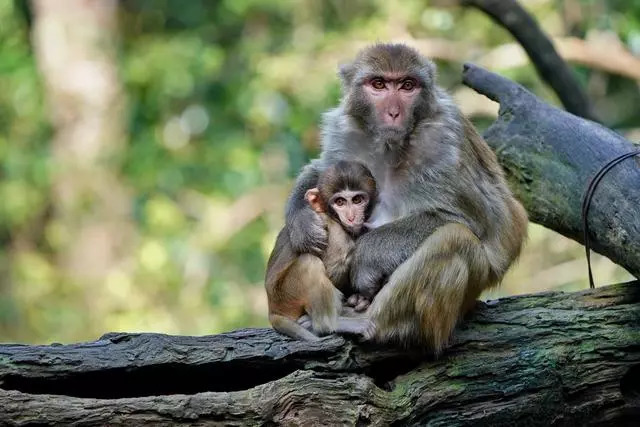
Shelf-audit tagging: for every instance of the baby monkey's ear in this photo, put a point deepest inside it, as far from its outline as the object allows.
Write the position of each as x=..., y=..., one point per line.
x=313, y=197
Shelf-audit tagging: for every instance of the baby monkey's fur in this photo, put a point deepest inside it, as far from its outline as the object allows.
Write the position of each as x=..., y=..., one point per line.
x=308, y=285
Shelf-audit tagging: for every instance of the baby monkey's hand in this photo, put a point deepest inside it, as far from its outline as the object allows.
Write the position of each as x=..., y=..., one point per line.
x=359, y=302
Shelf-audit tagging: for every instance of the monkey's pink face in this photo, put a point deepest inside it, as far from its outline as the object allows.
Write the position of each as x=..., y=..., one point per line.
x=351, y=207
x=392, y=97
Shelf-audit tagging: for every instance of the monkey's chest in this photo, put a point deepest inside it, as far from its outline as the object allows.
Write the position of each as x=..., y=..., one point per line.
x=337, y=255
x=398, y=198
x=388, y=208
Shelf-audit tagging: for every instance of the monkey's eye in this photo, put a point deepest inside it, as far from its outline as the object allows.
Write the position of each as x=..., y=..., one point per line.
x=408, y=85
x=339, y=201
x=378, y=84
x=358, y=199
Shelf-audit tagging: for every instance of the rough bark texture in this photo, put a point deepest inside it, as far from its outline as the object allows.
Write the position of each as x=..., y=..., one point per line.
x=550, y=156
x=553, y=358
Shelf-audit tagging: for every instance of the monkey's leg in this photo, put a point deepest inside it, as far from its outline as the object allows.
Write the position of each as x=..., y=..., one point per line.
x=360, y=326
x=323, y=307
x=324, y=299
x=427, y=294
x=288, y=327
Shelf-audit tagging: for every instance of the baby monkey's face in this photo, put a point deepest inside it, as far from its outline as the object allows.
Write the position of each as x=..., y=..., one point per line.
x=350, y=207
x=346, y=206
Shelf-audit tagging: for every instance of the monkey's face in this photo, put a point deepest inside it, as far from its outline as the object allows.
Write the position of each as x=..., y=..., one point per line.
x=392, y=98
x=350, y=207
x=388, y=90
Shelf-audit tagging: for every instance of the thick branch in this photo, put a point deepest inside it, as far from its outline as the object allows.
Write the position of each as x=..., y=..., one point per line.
x=550, y=156
x=538, y=359
x=551, y=67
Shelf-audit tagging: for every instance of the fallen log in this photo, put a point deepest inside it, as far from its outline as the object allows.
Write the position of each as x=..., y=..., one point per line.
x=551, y=358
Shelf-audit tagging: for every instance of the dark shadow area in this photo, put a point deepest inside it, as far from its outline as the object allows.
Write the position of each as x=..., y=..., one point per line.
x=384, y=373
x=630, y=384
x=156, y=380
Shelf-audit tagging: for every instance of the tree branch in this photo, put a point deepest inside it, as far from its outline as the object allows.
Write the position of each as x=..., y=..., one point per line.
x=550, y=156
x=511, y=16
x=526, y=360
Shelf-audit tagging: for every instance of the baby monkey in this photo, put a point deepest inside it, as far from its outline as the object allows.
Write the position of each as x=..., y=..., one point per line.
x=305, y=287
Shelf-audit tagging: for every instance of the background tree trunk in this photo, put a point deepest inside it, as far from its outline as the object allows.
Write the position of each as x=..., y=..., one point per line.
x=75, y=43
x=510, y=15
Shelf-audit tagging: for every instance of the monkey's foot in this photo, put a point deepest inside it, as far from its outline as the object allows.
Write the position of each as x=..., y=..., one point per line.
x=369, y=331
x=305, y=322
x=363, y=328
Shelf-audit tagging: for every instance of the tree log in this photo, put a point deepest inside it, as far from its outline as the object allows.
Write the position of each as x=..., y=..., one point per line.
x=90, y=201
x=549, y=157
x=551, y=358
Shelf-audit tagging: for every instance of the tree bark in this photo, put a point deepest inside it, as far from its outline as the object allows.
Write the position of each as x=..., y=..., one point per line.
x=552, y=358
x=550, y=156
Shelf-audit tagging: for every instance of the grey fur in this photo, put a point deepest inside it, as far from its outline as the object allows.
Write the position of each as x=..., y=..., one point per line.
x=427, y=177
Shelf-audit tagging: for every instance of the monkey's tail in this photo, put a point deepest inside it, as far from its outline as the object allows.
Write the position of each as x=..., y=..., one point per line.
x=288, y=327
x=425, y=296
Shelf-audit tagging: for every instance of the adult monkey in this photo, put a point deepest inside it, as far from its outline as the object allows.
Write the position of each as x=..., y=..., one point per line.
x=447, y=225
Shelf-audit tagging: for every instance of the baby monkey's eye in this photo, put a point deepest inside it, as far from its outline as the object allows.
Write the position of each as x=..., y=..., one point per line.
x=378, y=84
x=339, y=201
x=358, y=199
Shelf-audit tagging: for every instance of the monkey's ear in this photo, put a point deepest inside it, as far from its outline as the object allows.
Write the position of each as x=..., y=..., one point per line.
x=346, y=71
x=313, y=197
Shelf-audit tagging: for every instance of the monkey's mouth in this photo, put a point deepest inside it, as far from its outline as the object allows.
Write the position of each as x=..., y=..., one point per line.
x=398, y=129
x=391, y=136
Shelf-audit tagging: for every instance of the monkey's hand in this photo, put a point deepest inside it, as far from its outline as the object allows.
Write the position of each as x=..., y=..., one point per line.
x=359, y=302
x=381, y=250
x=308, y=232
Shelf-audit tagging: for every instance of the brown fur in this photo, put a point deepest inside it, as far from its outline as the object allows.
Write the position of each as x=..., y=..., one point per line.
x=439, y=165
x=299, y=285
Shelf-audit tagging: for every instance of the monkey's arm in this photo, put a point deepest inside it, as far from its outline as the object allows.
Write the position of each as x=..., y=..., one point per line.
x=426, y=295
x=307, y=233
x=381, y=250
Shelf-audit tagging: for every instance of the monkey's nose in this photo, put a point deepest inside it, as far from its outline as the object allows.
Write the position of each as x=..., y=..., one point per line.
x=394, y=114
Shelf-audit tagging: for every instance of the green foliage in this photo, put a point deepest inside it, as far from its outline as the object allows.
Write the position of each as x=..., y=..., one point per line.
x=223, y=100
